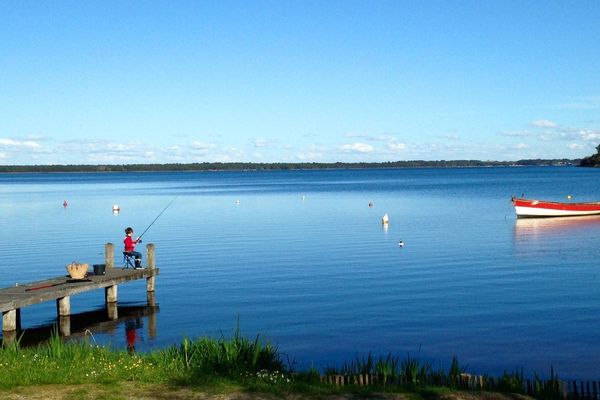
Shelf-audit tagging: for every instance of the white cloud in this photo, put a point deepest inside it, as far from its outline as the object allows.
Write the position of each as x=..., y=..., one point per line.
x=354, y=135
x=589, y=135
x=450, y=136
x=395, y=146
x=120, y=147
x=3, y=155
x=99, y=151
x=544, y=123
x=357, y=148
x=516, y=134
x=202, y=146
x=520, y=146
x=260, y=143
x=30, y=144
x=582, y=103
x=385, y=138
x=371, y=138
x=576, y=146
x=309, y=156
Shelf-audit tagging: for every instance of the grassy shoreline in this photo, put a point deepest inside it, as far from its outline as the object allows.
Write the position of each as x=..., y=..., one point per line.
x=229, y=367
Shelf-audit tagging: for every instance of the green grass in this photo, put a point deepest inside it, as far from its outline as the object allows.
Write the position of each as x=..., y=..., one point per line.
x=204, y=360
x=229, y=364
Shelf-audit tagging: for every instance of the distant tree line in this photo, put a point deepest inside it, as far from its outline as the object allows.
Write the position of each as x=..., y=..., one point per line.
x=591, y=161
x=242, y=166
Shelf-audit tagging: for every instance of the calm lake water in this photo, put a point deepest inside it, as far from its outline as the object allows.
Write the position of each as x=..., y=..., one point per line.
x=299, y=258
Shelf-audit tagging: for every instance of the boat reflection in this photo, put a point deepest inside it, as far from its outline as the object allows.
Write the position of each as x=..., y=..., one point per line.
x=544, y=238
x=534, y=227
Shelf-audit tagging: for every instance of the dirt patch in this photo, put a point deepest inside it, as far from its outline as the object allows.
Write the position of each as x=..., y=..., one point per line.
x=138, y=391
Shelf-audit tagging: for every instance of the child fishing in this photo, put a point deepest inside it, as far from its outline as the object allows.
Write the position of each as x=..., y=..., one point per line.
x=130, y=247
x=130, y=243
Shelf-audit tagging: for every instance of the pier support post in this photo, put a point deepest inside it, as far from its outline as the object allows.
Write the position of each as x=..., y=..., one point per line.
x=9, y=321
x=109, y=255
x=150, y=280
x=110, y=294
x=63, y=307
x=9, y=337
x=150, y=299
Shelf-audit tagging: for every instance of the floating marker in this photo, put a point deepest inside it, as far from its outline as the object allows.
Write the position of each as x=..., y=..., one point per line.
x=401, y=243
x=116, y=208
x=237, y=202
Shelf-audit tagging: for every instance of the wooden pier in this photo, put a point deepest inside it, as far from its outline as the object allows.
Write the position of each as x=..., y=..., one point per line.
x=60, y=289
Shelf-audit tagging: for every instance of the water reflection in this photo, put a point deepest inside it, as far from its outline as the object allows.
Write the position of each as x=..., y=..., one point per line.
x=551, y=239
x=131, y=328
x=526, y=228
x=99, y=321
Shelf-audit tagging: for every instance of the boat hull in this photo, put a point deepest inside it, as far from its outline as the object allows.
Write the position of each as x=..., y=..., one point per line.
x=526, y=208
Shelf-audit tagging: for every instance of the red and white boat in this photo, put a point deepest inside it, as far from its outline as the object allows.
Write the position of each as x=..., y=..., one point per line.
x=526, y=208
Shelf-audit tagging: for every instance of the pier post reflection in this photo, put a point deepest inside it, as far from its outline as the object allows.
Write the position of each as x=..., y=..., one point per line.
x=152, y=323
x=94, y=322
x=112, y=311
x=64, y=325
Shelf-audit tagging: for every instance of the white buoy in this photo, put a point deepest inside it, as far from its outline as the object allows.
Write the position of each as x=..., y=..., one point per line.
x=237, y=202
x=385, y=219
x=116, y=207
x=401, y=243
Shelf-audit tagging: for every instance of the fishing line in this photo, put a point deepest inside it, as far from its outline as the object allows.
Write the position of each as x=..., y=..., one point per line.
x=152, y=223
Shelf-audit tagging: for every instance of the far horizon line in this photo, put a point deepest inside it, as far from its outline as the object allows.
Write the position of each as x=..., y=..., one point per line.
x=442, y=160
x=274, y=166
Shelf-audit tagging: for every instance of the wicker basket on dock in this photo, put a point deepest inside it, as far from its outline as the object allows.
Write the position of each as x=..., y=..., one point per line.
x=77, y=270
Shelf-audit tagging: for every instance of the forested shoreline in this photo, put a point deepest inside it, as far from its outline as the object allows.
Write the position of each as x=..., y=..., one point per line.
x=243, y=166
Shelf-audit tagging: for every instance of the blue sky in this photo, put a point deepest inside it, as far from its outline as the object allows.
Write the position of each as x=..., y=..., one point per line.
x=287, y=81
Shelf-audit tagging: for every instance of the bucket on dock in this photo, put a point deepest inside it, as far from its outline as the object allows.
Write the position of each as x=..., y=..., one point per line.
x=99, y=269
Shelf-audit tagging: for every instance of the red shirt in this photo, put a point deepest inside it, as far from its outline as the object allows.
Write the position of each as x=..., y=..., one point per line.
x=129, y=243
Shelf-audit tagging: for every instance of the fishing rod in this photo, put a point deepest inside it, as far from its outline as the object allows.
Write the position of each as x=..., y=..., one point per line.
x=152, y=223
